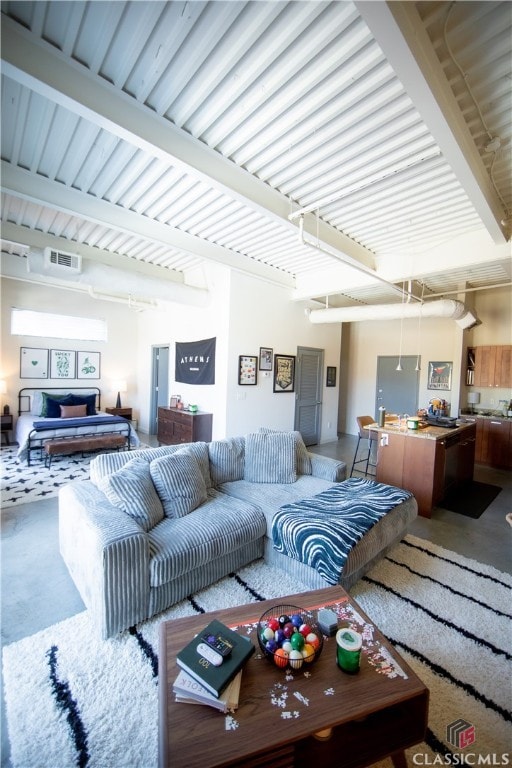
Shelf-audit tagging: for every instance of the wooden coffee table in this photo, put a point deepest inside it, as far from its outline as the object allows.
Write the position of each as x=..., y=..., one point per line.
x=378, y=712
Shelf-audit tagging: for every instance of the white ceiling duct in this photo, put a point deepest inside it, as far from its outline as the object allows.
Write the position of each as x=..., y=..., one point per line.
x=135, y=287
x=448, y=308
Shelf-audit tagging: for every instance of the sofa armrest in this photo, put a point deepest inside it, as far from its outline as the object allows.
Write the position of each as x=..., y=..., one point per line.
x=107, y=555
x=327, y=468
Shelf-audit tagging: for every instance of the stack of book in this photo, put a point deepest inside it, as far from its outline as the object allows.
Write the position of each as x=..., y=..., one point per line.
x=215, y=684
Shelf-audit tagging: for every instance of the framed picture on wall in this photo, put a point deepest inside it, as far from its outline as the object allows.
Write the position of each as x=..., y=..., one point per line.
x=439, y=375
x=247, y=369
x=33, y=363
x=331, y=376
x=62, y=364
x=88, y=365
x=266, y=358
x=284, y=373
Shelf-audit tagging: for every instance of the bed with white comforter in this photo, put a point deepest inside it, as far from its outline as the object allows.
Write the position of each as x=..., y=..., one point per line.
x=31, y=430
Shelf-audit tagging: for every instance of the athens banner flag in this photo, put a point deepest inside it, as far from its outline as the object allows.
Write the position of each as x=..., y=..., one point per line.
x=195, y=361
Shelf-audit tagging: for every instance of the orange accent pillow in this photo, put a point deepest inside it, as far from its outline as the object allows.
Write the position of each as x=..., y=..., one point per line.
x=72, y=411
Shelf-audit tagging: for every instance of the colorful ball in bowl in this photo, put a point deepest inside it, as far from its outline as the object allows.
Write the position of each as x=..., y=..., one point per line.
x=289, y=636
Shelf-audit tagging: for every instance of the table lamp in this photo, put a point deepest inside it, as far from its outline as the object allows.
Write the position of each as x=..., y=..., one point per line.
x=121, y=387
x=3, y=391
x=473, y=399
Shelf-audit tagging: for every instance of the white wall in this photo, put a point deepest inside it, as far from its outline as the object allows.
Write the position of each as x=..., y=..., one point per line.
x=441, y=339
x=117, y=354
x=494, y=308
x=179, y=322
x=262, y=315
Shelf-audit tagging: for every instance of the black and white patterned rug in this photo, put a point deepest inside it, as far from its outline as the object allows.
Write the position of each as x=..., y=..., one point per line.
x=21, y=483
x=449, y=617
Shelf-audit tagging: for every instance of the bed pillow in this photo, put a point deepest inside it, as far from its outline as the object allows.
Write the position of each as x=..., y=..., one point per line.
x=179, y=482
x=45, y=396
x=88, y=400
x=270, y=458
x=72, y=411
x=52, y=406
x=303, y=460
x=131, y=489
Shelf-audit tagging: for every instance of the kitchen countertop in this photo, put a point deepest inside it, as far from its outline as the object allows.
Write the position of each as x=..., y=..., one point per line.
x=470, y=416
x=424, y=432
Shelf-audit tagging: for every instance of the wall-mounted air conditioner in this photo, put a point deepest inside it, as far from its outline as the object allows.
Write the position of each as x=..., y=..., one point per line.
x=69, y=262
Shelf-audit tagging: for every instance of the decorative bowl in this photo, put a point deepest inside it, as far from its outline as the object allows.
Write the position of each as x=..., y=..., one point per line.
x=289, y=636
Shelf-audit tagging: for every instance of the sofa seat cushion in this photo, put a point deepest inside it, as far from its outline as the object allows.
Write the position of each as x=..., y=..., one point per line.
x=270, y=458
x=179, y=483
x=269, y=498
x=131, y=489
x=219, y=526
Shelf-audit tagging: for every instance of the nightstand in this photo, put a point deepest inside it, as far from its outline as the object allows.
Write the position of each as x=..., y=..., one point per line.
x=6, y=426
x=126, y=413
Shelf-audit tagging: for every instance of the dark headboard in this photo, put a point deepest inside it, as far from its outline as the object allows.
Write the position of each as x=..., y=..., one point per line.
x=26, y=394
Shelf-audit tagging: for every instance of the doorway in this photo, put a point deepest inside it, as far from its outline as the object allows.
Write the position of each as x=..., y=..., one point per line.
x=308, y=393
x=159, y=384
x=397, y=391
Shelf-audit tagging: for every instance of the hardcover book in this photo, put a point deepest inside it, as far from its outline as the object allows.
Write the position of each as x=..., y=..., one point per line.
x=189, y=691
x=215, y=678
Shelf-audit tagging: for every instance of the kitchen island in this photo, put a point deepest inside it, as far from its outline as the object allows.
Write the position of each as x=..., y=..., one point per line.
x=430, y=461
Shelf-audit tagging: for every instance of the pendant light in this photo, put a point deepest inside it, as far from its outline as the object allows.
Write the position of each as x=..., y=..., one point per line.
x=399, y=366
x=418, y=366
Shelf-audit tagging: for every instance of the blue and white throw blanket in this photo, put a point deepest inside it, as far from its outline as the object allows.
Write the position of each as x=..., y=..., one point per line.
x=321, y=531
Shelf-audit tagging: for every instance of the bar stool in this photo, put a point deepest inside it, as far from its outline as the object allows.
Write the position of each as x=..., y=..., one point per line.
x=364, y=434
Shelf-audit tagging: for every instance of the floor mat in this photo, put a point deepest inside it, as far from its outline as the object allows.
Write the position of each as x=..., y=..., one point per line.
x=471, y=500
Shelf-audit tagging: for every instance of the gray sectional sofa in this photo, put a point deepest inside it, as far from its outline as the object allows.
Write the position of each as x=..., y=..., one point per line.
x=153, y=526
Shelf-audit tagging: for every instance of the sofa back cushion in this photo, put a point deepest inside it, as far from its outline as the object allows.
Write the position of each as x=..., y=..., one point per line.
x=106, y=463
x=301, y=452
x=131, y=489
x=179, y=482
x=270, y=458
x=227, y=458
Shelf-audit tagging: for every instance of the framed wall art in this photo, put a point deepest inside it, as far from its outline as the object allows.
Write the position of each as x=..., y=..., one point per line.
x=33, y=363
x=88, y=365
x=330, y=380
x=266, y=358
x=284, y=373
x=247, y=369
x=62, y=364
x=439, y=375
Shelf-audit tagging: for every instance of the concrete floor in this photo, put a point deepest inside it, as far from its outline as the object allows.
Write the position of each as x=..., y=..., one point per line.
x=37, y=590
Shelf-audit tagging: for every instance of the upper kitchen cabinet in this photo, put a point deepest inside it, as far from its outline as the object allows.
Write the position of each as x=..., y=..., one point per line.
x=493, y=366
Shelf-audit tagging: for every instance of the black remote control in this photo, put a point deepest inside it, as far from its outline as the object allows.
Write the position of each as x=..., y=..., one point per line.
x=218, y=643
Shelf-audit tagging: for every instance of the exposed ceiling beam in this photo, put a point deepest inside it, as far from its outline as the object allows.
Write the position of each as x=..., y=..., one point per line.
x=399, y=31
x=47, y=71
x=44, y=192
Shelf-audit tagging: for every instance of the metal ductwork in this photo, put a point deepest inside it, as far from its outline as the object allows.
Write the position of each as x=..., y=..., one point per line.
x=448, y=308
x=136, y=289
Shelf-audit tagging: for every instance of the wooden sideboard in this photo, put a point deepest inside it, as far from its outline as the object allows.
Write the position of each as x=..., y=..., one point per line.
x=429, y=462
x=179, y=426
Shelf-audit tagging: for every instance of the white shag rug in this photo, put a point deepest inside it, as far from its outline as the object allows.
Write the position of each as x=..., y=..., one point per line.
x=74, y=700
x=21, y=483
